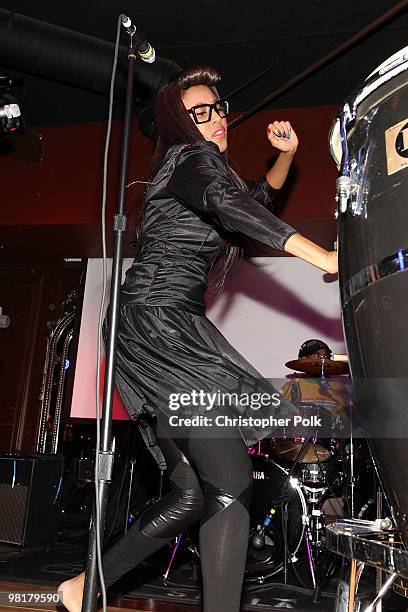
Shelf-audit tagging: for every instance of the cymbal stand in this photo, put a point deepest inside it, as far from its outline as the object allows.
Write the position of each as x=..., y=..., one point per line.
x=351, y=458
x=323, y=380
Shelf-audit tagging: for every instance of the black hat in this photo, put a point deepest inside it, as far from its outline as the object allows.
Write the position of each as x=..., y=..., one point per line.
x=311, y=347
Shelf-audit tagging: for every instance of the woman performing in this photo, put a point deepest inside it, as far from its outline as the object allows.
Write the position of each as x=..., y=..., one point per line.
x=196, y=206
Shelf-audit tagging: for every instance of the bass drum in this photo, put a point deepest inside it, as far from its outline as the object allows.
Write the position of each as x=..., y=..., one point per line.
x=369, y=142
x=270, y=482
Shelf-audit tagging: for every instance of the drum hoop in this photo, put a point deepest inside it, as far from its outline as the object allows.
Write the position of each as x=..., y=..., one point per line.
x=302, y=498
x=375, y=82
x=394, y=60
x=372, y=274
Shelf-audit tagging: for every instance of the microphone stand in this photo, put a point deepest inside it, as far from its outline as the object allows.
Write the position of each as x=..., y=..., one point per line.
x=106, y=455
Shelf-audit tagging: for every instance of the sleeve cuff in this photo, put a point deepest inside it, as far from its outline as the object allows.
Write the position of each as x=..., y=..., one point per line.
x=287, y=238
x=271, y=192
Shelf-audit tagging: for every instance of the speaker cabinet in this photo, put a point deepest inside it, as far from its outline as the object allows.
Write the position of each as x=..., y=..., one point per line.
x=29, y=487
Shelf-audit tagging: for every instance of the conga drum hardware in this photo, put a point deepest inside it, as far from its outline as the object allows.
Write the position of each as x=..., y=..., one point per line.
x=351, y=189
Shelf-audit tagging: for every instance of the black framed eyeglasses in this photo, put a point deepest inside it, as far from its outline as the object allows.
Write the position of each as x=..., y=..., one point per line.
x=202, y=112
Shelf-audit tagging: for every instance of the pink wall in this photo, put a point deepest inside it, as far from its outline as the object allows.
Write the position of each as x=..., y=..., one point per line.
x=268, y=308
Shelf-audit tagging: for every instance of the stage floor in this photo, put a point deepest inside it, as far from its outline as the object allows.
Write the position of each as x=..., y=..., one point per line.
x=144, y=588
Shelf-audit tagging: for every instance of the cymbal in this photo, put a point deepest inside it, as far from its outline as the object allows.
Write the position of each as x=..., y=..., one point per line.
x=313, y=365
x=289, y=450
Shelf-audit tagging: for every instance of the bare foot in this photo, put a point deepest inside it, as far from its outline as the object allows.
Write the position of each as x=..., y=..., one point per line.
x=71, y=592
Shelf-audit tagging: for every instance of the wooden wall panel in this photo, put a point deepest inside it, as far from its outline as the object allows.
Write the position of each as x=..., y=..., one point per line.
x=30, y=295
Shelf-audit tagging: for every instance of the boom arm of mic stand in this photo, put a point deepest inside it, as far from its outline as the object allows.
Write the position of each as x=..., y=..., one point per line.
x=119, y=228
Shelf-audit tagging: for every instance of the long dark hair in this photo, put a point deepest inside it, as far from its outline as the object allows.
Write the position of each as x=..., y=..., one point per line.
x=173, y=122
x=174, y=126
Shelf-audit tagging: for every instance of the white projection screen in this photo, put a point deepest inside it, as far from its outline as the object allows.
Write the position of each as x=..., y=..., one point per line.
x=267, y=309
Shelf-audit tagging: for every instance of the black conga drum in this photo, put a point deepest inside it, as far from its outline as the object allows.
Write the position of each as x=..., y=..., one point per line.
x=369, y=143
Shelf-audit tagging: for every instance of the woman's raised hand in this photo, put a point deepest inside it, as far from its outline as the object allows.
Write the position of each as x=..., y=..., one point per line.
x=282, y=136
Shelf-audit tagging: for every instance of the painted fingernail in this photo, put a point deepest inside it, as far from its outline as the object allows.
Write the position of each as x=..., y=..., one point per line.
x=287, y=134
x=283, y=135
x=269, y=130
x=277, y=134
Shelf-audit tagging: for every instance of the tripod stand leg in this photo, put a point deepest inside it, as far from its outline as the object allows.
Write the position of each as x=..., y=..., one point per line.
x=173, y=555
x=309, y=556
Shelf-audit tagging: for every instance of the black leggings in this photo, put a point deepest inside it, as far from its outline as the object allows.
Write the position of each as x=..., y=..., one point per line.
x=211, y=479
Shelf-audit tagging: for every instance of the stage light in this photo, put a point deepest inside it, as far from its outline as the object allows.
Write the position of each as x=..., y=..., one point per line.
x=11, y=121
x=14, y=131
x=4, y=319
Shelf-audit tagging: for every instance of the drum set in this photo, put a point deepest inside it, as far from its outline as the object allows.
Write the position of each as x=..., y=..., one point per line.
x=300, y=483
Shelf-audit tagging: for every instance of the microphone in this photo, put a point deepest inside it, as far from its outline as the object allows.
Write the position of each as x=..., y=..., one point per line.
x=144, y=49
x=257, y=540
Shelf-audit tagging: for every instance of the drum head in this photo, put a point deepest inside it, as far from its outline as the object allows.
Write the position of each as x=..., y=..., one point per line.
x=335, y=142
x=399, y=61
x=266, y=554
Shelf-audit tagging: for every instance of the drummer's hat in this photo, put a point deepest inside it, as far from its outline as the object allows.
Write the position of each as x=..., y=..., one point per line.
x=311, y=347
